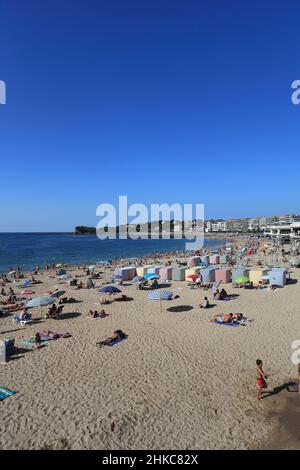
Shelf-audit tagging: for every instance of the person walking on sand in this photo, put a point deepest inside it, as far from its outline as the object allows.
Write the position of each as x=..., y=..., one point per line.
x=261, y=379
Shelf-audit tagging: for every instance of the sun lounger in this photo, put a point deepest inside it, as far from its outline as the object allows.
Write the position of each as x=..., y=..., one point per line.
x=27, y=319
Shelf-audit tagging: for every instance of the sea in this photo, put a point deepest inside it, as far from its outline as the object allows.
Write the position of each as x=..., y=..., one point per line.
x=28, y=250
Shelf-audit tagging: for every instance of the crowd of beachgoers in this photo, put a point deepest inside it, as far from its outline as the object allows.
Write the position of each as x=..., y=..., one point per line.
x=170, y=343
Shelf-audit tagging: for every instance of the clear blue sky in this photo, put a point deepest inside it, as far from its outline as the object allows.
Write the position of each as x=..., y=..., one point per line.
x=164, y=101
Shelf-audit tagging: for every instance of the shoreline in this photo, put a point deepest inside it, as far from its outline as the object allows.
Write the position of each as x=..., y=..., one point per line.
x=220, y=242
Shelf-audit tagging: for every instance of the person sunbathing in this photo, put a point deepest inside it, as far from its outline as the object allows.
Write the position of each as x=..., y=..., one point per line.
x=96, y=314
x=205, y=304
x=229, y=318
x=217, y=295
x=36, y=339
x=118, y=334
x=237, y=316
x=104, y=301
x=226, y=318
x=223, y=294
x=93, y=314
x=52, y=309
x=14, y=307
x=24, y=314
x=67, y=300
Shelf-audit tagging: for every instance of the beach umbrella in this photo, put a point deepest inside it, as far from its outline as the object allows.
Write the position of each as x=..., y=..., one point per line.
x=92, y=267
x=109, y=290
x=193, y=276
x=160, y=295
x=154, y=276
x=138, y=279
x=242, y=280
x=151, y=275
x=58, y=293
x=58, y=265
x=11, y=273
x=40, y=302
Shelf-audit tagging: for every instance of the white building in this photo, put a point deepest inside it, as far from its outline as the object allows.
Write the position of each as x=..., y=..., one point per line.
x=289, y=232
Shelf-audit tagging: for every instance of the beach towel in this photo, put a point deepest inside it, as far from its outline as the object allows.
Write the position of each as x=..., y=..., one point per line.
x=117, y=341
x=26, y=342
x=234, y=324
x=5, y=392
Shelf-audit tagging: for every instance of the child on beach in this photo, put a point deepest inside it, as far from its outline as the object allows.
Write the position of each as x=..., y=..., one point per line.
x=261, y=380
x=205, y=303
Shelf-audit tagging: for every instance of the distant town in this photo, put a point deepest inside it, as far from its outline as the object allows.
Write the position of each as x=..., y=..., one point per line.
x=283, y=228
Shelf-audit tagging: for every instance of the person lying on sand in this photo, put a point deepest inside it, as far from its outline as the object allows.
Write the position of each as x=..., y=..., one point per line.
x=205, y=304
x=67, y=300
x=14, y=307
x=118, y=334
x=52, y=335
x=228, y=317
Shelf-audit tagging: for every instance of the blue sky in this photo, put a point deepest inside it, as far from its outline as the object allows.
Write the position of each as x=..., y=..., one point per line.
x=163, y=101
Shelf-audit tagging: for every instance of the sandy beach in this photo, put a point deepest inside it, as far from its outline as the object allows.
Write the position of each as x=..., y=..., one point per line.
x=178, y=381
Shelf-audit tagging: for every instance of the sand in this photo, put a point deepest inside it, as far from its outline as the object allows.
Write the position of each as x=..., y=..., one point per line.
x=177, y=382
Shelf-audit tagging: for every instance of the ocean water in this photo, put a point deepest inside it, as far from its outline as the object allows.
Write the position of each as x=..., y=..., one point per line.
x=31, y=249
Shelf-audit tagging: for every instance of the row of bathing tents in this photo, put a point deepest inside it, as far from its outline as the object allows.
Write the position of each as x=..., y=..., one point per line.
x=208, y=274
